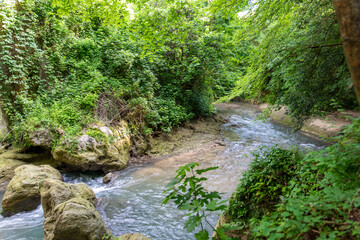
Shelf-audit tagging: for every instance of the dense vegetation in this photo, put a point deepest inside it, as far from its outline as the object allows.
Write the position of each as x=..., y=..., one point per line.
x=156, y=64
x=65, y=66
x=284, y=195
x=295, y=55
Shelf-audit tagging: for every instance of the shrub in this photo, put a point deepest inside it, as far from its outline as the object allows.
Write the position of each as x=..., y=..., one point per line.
x=317, y=199
x=264, y=183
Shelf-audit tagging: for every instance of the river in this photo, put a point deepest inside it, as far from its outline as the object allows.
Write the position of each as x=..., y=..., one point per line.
x=132, y=202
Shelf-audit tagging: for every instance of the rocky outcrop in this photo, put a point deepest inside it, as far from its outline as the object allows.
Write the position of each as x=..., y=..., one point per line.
x=135, y=236
x=22, y=193
x=139, y=145
x=69, y=211
x=327, y=126
x=41, y=138
x=93, y=155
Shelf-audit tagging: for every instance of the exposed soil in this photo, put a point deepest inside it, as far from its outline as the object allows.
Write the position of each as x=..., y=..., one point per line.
x=322, y=126
x=195, y=140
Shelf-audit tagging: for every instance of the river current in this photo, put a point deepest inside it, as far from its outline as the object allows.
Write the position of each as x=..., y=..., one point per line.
x=132, y=201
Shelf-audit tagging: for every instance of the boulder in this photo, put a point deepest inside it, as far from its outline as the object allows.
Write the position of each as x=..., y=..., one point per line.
x=11, y=158
x=108, y=177
x=75, y=219
x=92, y=155
x=22, y=193
x=131, y=236
x=69, y=211
x=54, y=192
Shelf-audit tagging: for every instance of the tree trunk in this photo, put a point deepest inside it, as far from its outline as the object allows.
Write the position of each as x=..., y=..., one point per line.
x=348, y=17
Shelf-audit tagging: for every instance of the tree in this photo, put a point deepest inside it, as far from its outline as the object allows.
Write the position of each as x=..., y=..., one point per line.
x=348, y=16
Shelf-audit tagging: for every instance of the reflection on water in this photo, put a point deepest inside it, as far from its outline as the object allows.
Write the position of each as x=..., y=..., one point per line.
x=132, y=201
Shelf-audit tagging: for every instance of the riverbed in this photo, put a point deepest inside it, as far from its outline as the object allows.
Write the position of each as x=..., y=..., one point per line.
x=132, y=201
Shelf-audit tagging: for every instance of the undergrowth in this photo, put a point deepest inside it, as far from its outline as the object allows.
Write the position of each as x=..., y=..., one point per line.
x=284, y=195
x=65, y=72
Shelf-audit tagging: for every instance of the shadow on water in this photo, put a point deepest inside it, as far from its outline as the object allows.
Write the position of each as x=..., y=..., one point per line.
x=132, y=201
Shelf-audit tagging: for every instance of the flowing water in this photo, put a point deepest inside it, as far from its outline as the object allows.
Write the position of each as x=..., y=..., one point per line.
x=132, y=201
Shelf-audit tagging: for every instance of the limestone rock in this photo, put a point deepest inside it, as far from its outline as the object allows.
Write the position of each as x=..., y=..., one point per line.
x=108, y=177
x=54, y=192
x=86, y=142
x=139, y=145
x=41, y=138
x=107, y=131
x=7, y=170
x=94, y=156
x=11, y=158
x=22, y=193
x=75, y=219
x=69, y=211
x=136, y=236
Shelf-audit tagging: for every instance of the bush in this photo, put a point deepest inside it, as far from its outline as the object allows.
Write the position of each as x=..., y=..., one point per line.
x=317, y=199
x=264, y=183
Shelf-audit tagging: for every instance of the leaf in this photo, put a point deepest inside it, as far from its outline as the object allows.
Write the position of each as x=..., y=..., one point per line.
x=202, y=235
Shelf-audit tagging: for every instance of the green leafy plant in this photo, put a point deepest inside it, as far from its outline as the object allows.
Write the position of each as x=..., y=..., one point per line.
x=188, y=193
x=264, y=183
x=288, y=196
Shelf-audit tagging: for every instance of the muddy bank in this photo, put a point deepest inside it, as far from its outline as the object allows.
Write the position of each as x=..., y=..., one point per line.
x=192, y=140
x=322, y=126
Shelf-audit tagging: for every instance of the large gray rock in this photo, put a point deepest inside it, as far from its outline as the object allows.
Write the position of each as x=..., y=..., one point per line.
x=69, y=211
x=22, y=193
x=93, y=156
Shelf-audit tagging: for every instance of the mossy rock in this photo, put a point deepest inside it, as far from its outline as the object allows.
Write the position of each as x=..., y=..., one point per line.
x=92, y=155
x=54, y=192
x=69, y=211
x=12, y=158
x=75, y=219
x=135, y=236
x=22, y=193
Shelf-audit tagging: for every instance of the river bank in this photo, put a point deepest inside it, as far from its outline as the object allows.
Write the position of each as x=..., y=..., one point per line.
x=325, y=126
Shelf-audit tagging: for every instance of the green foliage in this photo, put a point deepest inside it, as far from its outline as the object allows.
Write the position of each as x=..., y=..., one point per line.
x=295, y=55
x=64, y=65
x=320, y=199
x=264, y=184
x=188, y=194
